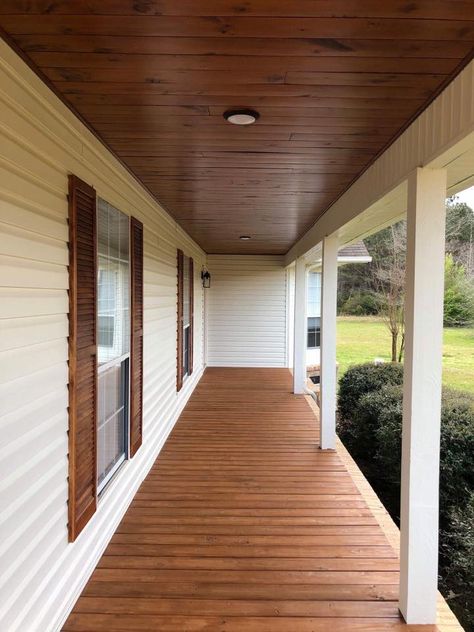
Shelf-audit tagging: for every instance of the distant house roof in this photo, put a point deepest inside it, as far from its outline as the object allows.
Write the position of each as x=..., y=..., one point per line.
x=354, y=253
x=354, y=250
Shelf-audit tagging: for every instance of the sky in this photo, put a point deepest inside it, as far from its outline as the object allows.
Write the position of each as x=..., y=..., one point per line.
x=467, y=196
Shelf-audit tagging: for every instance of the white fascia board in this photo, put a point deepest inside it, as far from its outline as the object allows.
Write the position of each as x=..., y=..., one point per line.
x=316, y=265
x=364, y=259
x=442, y=136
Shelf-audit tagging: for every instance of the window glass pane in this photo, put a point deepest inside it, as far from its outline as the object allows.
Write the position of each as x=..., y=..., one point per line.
x=186, y=351
x=314, y=333
x=113, y=398
x=186, y=280
x=113, y=313
x=314, y=294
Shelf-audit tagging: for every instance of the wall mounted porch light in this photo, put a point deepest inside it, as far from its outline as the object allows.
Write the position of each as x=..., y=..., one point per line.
x=206, y=278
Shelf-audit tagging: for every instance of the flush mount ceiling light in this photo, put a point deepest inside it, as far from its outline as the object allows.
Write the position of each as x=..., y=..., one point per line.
x=245, y=237
x=241, y=117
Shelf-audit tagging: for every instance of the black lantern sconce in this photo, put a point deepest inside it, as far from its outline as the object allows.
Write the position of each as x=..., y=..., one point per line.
x=206, y=278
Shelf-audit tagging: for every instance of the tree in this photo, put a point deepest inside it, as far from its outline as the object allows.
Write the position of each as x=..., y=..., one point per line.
x=458, y=295
x=387, y=271
x=460, y=234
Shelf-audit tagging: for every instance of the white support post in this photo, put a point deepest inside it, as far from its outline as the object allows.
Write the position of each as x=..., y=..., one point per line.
x=300, y=328
x=328, y=344
x=422, y=395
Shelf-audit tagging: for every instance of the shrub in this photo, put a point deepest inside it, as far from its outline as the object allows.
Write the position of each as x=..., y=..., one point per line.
x=457, y=561
x=457, y=445
x=374, y=410
x=457, y=450
x=360, y=304
x=372, y=429
x=361, y=379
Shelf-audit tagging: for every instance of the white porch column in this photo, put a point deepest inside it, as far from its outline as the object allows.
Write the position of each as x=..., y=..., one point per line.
x=422, y=395
x=328, y=343
x=300, y=333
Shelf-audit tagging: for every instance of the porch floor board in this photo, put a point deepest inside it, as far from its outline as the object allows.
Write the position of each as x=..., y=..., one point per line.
x=243, y=524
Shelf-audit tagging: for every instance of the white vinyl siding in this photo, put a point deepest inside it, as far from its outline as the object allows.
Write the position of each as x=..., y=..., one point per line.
x=246, y=311
x=41, y=142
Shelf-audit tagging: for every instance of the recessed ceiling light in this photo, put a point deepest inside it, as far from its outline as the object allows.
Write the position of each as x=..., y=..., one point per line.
x=241, y=117
x=245, y=237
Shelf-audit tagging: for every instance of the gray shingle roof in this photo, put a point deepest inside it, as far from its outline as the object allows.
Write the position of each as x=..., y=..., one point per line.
x=354, y=250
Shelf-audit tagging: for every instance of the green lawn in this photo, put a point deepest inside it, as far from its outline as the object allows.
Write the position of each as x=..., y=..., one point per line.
x=363, y=339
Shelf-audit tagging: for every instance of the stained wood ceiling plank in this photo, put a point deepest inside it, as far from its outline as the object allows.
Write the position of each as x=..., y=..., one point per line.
x=268, y=113
x=262, y=27
x=270, y=46
x=154, y=120
x=159, y=63
x=242, y=92
x=434, y=9
x=239, y=81
x=298, y=96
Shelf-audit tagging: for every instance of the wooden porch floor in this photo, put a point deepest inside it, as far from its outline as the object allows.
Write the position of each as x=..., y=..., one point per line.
x=244, y=525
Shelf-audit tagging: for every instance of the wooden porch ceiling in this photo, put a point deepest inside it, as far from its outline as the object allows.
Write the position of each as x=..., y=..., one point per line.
x=333, y=80
x=243, y=524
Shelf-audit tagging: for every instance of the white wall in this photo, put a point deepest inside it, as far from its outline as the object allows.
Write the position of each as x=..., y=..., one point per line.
x=41, y=574
x=247, y=311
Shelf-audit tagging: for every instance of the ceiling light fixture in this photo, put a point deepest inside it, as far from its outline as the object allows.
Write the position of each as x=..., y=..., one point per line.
x=241, y=117
x=245, y=237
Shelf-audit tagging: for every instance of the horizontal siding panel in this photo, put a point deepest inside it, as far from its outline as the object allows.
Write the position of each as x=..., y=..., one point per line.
x=247, y=311
x=20, y=183
x=41, y=143
x=26, y=421
x=17, y=363
x=16, y=333
x=16, y=272
x=35, y=221
x=16, y=152
x=32, y=387
x=23, y=243
x=20, y=302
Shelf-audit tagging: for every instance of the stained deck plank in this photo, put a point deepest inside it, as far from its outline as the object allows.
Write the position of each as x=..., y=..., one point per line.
x=243, y=524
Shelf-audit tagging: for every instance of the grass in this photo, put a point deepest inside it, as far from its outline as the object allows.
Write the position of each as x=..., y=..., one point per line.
x=363, y=339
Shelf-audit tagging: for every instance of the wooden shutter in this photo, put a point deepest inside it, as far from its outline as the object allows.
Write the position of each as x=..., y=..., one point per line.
x=179, y=345
x=191, y=316
x=82, y=355
x=136, y=342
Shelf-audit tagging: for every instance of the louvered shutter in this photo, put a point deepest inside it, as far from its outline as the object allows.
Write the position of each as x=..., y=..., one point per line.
x=179, y=345
x=136, y=343
x=82, y=355
x=191, y=315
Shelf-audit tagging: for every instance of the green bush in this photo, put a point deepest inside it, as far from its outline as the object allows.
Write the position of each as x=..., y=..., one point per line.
x=458, y=295
x=360, y=304
x=374, y=410
x=371, y=428
x=457, y=446
x=361, y=379
x=457, y=561
x=457, y=449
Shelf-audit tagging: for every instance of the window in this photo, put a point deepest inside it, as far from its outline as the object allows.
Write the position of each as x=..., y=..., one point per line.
x=113, y=321
x=185, y=318
x=105, y=346
x=314, y=333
